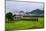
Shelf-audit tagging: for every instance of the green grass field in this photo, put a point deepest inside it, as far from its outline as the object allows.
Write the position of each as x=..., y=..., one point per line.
x=22, y=25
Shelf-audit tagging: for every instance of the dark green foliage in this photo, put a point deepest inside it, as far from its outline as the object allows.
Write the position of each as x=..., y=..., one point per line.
x=9, y=16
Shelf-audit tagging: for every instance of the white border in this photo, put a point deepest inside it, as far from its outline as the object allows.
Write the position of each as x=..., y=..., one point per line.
x=31, y=0
x=2, y=20
x=2, y=15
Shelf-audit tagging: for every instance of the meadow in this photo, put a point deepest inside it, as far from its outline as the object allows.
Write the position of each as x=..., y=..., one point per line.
x=25, y=25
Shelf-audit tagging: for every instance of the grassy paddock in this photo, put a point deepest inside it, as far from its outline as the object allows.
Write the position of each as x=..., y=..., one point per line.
x=22, y=25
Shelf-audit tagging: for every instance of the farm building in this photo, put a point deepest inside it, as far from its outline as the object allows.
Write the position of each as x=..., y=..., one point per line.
x=20, y=17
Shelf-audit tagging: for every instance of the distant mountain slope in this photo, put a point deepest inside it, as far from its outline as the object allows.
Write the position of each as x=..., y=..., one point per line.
x=36, y=12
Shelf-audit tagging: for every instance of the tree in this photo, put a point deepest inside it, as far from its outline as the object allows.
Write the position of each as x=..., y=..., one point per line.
x=9, y=16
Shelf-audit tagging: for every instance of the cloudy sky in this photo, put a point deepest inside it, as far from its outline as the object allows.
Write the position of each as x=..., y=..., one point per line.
x=13, y=6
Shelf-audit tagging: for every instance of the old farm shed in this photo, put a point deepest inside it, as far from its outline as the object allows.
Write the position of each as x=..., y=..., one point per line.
x=28, y=18
x=32, y=18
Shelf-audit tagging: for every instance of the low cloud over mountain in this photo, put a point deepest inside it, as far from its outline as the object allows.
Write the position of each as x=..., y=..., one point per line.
x=36, y=12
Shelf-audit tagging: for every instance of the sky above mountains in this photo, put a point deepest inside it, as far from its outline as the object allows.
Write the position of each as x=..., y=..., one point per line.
x=14, y=7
